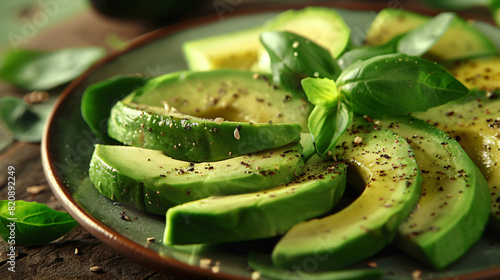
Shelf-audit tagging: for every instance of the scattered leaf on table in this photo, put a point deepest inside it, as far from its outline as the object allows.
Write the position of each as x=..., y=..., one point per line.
x=24, y=122
x=42, y=70
x=34, y=223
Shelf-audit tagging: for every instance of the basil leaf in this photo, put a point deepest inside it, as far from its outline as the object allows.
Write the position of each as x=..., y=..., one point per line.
x=294, y=58
x=321, y=91
x=366, y=52
x=25, y=122
x=33, y=223
x=397, y=84
x=494, y=7
x=421, y=39
x=327, y=125
x=455, y=4
x=42, y=70
x=99, y=98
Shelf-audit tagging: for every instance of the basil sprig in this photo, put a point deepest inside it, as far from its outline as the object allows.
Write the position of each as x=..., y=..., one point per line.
x=397, y=84
x=415, y=42
x=379, y=87
x=294, y=58
x=31, y=223
x=330, y=117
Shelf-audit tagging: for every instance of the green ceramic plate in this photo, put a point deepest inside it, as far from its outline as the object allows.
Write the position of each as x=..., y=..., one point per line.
x=68, y=145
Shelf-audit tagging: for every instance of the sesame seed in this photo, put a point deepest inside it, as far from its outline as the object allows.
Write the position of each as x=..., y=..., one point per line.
x=218, y=120
x=255, y=76
x=77, y=252
x=150, y=239
x=96, y=269
x=237, y=134
x=205, y=263
x=295, y=44
x=215, y=269
x=358, y=140
x=255, y=275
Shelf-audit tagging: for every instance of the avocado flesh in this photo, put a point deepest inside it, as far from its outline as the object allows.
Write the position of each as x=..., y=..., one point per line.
x=258, y=215
x=475, y=123
x=194, y=139
x=461, y=40
x=478, y=73
x=150, y=181
x=239, y=96
x=262, y=263
x=454, y=205
x=242, y=48
x=384, y=163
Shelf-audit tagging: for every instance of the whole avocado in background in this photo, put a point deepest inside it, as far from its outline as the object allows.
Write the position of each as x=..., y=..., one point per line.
x=146, y=10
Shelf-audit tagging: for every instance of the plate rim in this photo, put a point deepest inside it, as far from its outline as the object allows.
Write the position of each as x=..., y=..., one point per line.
x=114, y=239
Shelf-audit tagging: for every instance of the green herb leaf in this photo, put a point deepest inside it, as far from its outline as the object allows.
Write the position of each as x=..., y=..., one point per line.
x=397, y=84
x=494, y=6
x=421, y=39
x=321, y=91
x=327, y=125
x=455, y=4
x=42, y=70
x=99, y=98
x=294, y=58
x=366, y=52
x=415, y=43
x=25, y=122
x=34, y=223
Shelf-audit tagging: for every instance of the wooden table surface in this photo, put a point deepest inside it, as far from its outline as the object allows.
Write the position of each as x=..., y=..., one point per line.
x=58, y=260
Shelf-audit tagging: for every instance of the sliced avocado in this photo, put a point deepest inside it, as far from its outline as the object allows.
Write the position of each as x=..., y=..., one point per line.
x=453, y=209
x=150, y=181
x=241, y=48
x=258, y=215
x=384, y=162
x=263, y=264
x=461, y=40
x=475, y=123
x=234, y=95
x=479, y=73
x=194, y=139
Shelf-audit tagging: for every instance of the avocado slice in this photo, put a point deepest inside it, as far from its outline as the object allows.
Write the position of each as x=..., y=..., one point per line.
x=475, y=123
x=384, y=163
x=479, y=73
x=242, y=48
x=455, y=203
x=150, y=181
x=234, y=95
x=263, y=264
x=194, y=139
x=258, y=215
x=461, y=40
